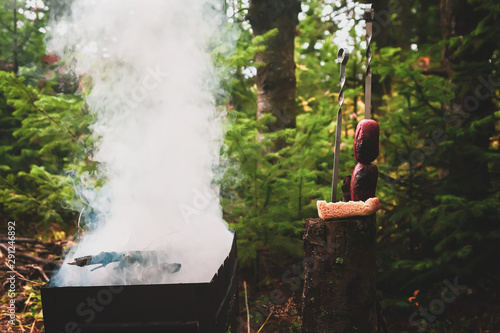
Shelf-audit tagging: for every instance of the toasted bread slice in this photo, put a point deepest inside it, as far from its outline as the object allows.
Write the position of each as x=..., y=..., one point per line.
x=337, y=210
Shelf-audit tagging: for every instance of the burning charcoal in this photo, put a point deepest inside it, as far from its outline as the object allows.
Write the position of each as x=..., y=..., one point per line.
x=173, y=268
x=134, y=256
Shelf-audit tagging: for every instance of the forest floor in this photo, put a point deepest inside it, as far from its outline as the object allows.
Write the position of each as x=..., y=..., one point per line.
x=34, y=262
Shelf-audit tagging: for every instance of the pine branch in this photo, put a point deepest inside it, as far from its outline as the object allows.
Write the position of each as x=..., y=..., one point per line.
x=18, y=190
x=436, y=72
x=6, y=26
x=31, y=101
x=308, y=137
x=422, y=95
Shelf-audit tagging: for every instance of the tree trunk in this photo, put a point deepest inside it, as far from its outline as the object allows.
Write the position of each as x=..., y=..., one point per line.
x=340, y=270
x=381, y=36
x=275, y=80
x=15, y=46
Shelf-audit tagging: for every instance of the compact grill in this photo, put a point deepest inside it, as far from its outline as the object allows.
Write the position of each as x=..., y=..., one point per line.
x=209, y=307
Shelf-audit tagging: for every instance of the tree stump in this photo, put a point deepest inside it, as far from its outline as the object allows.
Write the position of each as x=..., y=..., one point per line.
x=339, y=293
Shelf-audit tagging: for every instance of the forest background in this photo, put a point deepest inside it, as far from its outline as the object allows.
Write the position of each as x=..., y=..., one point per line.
x=435, y=96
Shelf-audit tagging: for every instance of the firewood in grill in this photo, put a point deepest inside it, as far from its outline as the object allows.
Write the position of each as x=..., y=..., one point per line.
x=124, y=259
x=81, y=261
x=172, y=268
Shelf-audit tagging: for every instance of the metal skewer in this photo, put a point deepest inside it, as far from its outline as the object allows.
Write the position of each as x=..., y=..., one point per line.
x=342, y=57
x=369, y=15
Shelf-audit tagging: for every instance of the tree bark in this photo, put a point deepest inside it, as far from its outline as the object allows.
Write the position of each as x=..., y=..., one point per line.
x=340, y=269
x=15, y=46
x=382, y=37
x=276, y=82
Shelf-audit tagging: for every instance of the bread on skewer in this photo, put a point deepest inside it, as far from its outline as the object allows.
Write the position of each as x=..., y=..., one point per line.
x=337, y=210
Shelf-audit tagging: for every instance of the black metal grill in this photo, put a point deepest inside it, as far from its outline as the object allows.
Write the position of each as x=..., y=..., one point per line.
x=209, y=307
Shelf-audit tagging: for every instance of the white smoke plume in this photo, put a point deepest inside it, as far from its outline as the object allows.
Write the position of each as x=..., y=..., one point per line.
x=158, y=132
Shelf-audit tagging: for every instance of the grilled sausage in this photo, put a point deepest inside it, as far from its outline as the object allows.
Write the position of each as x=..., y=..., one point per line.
x=364, y=182
x=366, y=141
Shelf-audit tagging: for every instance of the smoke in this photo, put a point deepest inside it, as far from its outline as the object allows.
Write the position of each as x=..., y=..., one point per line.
x=158, y=134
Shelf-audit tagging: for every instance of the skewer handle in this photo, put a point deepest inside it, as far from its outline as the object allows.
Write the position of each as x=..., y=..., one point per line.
x=369, y=15
x=342, y=57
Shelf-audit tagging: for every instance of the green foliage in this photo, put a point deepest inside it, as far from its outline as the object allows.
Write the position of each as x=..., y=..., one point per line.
x=439, y=171
x=275, y=191
x=248, y=48
x=44, y=132
x=22, y=36
x=267, y=195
